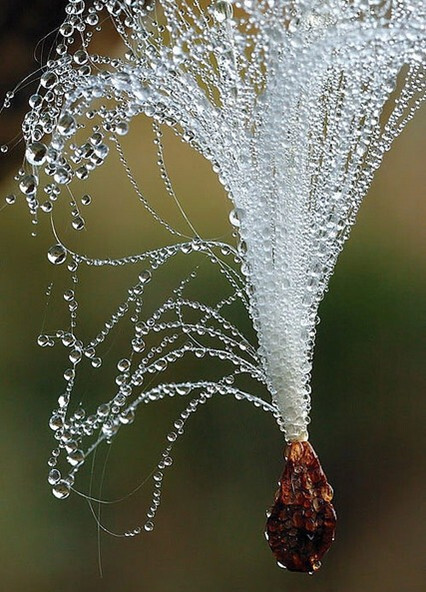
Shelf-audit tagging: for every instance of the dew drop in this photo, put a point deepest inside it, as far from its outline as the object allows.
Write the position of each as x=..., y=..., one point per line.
x=10, y=199
x=48, y=80
x=57, y=254
x=54, y=477
x=61, y=490
x=66, y=30
x=122, y=128
x=145, y=276
x=68, y=339
x=43, y=340
x=235, y=217
x=63, y=176
x=76, y=458
x=69, y=374
x=123, y=365
x=56, y=422
x=28, y=184
x=80, y=57
x=35, y=101
x=86, y=200
x=127, y=417
x=66, y=125
x=78, y=223
x=222, y=10
x=90, y=352
x=36, y=153
x=75, y=356
x=47, y=206
x=103, y=410
x=68, y=295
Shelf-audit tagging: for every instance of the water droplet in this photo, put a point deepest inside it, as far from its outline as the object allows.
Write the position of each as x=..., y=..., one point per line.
x=36, y=153
x=78, y=223
x=57, y=254
x=56, y=422
x=47, y=206
x=10, y=199
x=43, y=340
x=54, y=476
x=145, y=276
x=66, y=125
x=96, y=138
x=69, y=374
x=28, y=184
x=92, y=19
x=75, y=356
x=68, y=339
x=61, y=490
x=48, y=80
x=160, y=365
x=76, y=458
x=82, y=172
x=69, y=295
x=182, y=389
x=86, y=200
x=235, y=217
x=80, y=57
x=121, y=128
x=123, y=365
x=66, y=30
x=103, y=410
x=110, y=428
x=63, y=176
x=222, y=10
x=138, y=345
x=35, y=101
x=90, y=352
x=127, y=416
x=102, y=151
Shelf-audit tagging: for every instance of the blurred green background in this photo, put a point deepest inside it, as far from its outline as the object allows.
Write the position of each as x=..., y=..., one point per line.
x=368, y=412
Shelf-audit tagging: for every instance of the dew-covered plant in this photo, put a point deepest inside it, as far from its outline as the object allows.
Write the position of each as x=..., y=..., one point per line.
x=294, y=103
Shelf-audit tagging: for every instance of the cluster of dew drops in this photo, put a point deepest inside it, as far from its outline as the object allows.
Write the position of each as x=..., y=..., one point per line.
x=48, y=132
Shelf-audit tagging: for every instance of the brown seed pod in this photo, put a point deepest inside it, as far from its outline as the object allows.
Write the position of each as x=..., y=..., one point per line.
x=302, y=522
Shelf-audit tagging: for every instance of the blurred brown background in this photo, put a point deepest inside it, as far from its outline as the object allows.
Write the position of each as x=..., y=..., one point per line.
x=368, y=412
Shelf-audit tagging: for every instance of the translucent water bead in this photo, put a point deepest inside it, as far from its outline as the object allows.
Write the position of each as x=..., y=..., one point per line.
x=61, y=490
x=57, y=254
x=222, y=10
x=36, y=153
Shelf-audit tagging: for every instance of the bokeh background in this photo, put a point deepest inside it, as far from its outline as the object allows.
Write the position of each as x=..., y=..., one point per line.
x=368, y=413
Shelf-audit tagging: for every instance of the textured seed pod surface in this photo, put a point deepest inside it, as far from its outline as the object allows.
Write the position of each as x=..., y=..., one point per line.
x=301, y=524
